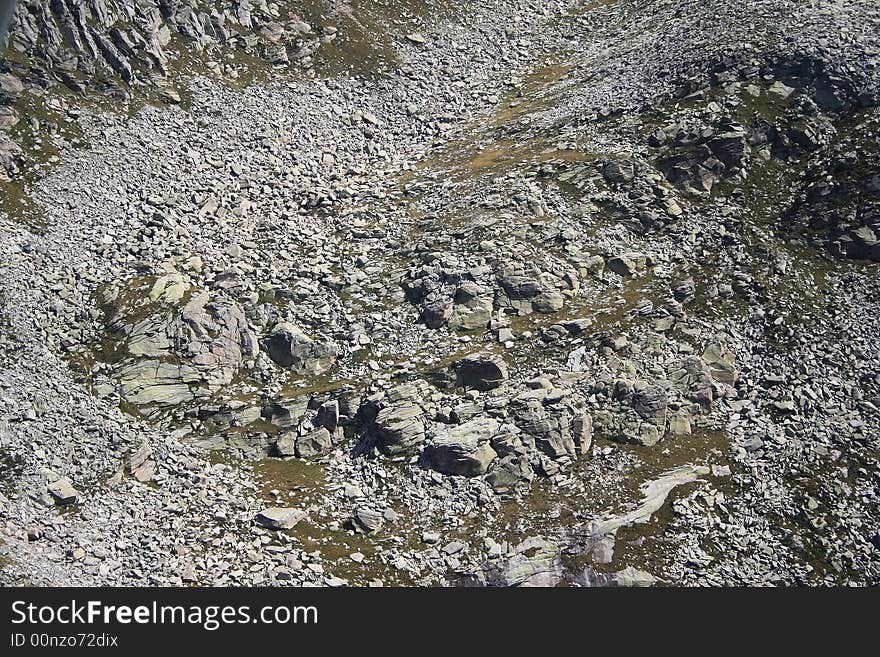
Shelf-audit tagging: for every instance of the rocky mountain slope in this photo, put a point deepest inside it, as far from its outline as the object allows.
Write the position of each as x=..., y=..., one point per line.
x=507, y=293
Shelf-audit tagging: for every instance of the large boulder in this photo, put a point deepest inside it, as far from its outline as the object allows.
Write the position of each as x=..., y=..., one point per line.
x=397, y=417
x=693, y=378
x=730, y=147
x=473, y=307
x=464, y=449
x=235, y=345
x=8, y=117
x=280, y=518
x=467, y=318
x=436, y=310
x=509, y=472
x=721, y=364
x=629, y=264
x=645, y=434
x=292, y=349
x=9, y=84
x=400, y=429
x=314, y=443
x=284, y=445
x=286, y=413
x=639, y=415
x=367, y=520
x=556, y=431
x=650, y=402
x=619, y=171
x=481, y=371
x=328, y=415
x=528, y=289
x=63, y=491
x=449, y=296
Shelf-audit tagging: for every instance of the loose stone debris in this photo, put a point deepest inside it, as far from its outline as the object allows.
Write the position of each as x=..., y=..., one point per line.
x=510, y=293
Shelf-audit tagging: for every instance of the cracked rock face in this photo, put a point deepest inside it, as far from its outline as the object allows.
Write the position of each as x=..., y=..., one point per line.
x=132, y=40
x=166, y=347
